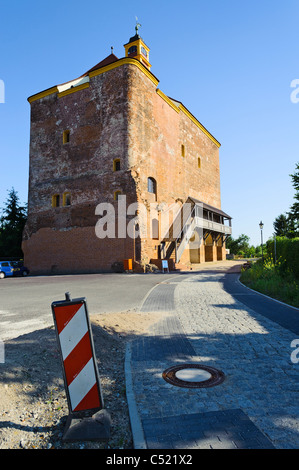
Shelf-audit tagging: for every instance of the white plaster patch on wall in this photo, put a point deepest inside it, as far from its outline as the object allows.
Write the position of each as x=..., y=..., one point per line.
x=72, y=84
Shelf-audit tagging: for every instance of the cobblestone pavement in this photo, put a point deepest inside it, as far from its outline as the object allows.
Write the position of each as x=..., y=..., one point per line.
x=257, y=404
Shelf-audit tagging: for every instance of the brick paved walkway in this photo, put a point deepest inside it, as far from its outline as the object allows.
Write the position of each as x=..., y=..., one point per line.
x=257, y=404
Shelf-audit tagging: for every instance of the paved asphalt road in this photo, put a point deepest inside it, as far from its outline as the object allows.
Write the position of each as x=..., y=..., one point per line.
x=25, y=303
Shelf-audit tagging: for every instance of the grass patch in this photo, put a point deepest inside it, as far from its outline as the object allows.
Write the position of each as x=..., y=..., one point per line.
x=276, y=281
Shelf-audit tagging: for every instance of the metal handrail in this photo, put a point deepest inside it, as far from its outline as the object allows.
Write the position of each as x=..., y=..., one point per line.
x=184, y=230
x=181, y=240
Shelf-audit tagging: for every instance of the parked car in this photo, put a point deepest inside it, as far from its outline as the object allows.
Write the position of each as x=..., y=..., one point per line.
x=6, y=269
x=12, y=268
x=19, y=269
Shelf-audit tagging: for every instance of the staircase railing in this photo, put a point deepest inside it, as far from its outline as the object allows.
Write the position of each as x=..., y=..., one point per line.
x=185, y=235
x=189, y=218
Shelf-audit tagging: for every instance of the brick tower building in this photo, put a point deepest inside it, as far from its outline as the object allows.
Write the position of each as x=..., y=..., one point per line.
x=109, y=151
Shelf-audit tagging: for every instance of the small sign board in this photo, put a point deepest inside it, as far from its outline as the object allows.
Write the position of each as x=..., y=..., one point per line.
x=165, y=265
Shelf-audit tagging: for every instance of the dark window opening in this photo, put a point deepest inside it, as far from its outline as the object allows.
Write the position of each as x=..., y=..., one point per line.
x=66, y=199
x=66, y=136
x=116, y=195
x=56, y=200
x=116, y=165
x=132, y=50
x=152, y=185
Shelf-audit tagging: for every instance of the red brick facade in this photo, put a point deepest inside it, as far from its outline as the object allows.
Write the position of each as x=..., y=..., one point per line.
x=117, y=113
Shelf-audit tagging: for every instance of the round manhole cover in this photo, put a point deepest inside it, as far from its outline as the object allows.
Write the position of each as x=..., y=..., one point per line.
x=193, y=376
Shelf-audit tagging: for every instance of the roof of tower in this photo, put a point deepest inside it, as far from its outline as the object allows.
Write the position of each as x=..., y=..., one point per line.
x=134, y=38
x=108, y=60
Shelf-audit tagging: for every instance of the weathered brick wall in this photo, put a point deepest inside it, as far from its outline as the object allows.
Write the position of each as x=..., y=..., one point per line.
x=97, y=120
x=74, y=251
x=156, y=133
x=120, y=115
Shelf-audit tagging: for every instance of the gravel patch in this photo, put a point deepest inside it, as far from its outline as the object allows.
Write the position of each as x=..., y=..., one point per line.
x=34, y=409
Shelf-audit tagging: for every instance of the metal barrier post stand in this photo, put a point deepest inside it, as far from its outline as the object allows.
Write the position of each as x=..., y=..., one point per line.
x=87, y=419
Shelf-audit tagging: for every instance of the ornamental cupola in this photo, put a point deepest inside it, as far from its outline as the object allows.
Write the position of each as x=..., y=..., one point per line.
x=137, y=49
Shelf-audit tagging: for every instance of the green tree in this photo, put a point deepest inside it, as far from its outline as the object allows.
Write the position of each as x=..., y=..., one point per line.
x=294, y=209
x=281, y=225
x=258, y=250
x=12, y=223
x=250, y=253
x=287, y=225
x=239, y=245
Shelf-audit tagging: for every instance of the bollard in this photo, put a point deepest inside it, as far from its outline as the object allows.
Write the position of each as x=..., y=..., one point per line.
x=87, y=418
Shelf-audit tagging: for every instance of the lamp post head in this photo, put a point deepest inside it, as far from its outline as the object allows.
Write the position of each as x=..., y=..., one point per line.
x=261, y=225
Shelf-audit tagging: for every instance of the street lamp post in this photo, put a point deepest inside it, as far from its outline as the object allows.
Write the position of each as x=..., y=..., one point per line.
x=261, y=227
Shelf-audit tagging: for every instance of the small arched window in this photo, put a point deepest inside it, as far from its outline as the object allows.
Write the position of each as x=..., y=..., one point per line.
x=55, y=200
x=182, y=150
x=116, y=164
x=199, y=162
x=132, y=50
x=151, y=185
x=116, y=195
x=66, y=199
x=66, y=136
x=143, y=51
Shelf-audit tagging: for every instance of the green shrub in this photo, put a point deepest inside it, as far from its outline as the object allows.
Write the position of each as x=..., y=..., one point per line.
x=287, y=253
x=274, y=280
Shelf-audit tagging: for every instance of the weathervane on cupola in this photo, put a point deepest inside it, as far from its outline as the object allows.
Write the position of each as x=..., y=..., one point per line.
x=138, y=25
x=137, y=49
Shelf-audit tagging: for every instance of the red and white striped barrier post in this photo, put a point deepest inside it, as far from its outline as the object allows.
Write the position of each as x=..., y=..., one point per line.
x=87, y=419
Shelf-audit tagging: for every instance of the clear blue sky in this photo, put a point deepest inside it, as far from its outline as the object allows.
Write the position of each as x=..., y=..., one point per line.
x=230, y=62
